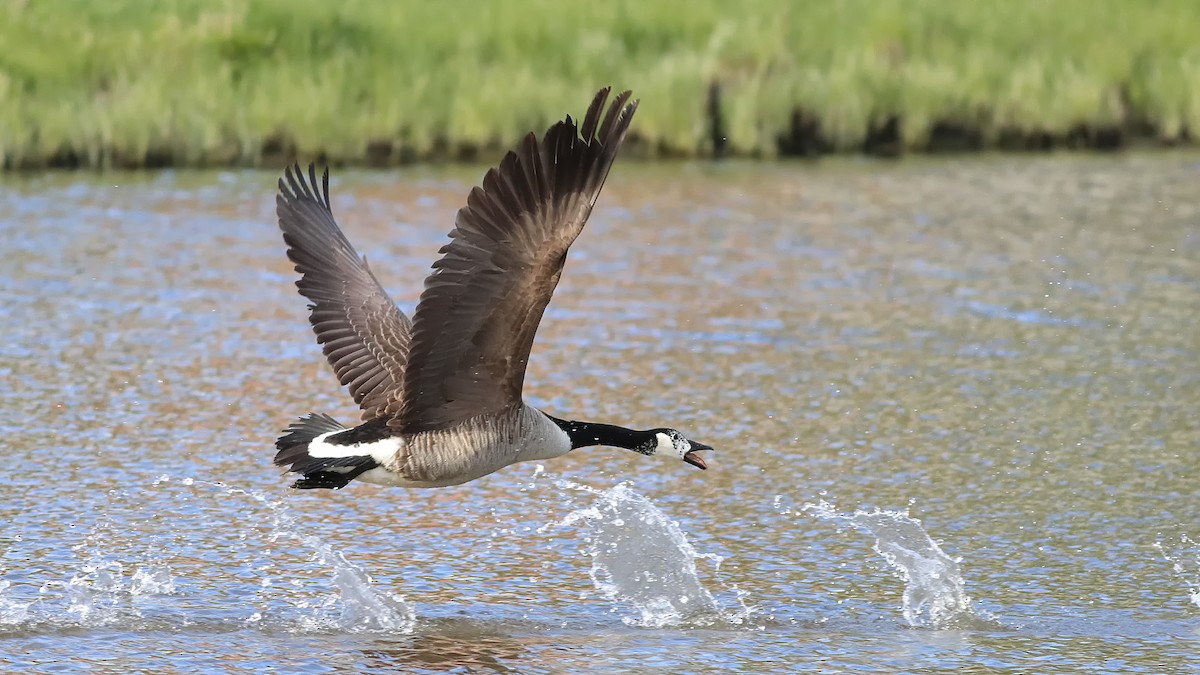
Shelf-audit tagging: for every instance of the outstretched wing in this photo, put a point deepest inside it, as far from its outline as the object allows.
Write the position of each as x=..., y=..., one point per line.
x=364, y=335
x=475, y=323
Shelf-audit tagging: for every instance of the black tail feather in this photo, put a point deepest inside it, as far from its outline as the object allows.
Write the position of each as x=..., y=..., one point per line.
x=293, y=444
x=318, y=472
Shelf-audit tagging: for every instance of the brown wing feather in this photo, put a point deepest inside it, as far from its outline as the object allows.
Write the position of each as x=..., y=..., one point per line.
x=475, y=323
x=364, y=335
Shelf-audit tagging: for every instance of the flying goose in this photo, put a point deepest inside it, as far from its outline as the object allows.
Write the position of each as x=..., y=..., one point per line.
x=441, y=393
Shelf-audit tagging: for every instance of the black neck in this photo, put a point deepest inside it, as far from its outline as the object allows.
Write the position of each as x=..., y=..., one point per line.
x=584, y=434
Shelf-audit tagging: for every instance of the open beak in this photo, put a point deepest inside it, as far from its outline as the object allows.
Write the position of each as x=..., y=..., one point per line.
x=692, y=458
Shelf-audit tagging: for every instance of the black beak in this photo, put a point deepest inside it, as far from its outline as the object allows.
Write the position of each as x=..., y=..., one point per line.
x=692, y=458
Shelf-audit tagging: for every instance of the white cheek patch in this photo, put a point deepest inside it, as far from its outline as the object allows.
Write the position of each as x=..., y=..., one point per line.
x=668, y=448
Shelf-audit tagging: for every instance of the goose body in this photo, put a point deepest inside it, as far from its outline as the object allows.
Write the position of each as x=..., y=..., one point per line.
x=441, y=392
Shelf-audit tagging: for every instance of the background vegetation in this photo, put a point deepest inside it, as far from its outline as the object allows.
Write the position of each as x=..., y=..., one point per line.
x=250, y=82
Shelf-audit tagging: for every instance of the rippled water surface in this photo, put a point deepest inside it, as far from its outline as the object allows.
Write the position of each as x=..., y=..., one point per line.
x=955, y=406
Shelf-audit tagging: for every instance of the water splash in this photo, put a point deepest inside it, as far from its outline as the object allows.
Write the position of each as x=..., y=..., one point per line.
x=12, y=612
x=934, y=594
x=95, y=595
x=127, y=573
x=1185, y=562
x=152, y=579
x=640, y=557
x=100, y=592
x=357, y=606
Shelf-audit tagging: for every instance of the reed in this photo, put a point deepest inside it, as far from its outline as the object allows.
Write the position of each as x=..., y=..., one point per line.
x=253, y=82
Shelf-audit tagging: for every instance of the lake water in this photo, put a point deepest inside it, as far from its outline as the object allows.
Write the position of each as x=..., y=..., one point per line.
x=954, y=404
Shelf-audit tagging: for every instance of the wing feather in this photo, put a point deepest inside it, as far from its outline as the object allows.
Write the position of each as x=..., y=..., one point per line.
x=475, y=323
x=364, y=335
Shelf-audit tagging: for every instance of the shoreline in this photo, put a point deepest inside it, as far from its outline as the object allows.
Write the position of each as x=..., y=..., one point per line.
x=804, y=142
x=139, y=84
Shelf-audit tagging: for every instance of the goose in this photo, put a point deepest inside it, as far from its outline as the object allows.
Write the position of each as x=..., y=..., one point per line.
x=441, y=393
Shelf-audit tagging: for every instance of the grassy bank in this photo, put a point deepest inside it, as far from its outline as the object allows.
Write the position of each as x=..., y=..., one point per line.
x=249, y=82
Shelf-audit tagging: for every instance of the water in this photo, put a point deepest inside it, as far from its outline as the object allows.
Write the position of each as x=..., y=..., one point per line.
x=980, y=376
x=643, y=560
x=934, y=591
x=1184, y=557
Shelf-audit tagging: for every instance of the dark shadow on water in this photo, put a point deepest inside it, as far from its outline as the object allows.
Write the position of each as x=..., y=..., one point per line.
x=449, y=652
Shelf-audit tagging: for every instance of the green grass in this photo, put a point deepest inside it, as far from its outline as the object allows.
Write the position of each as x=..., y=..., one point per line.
x=221, y=82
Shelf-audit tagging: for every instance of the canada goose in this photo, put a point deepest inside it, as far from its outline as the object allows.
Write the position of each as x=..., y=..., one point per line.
x=441, y=393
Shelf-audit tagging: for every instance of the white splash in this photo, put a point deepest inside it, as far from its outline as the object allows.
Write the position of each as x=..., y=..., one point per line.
x=95, y=594
x=357, y=606
x=125, y=576
x=642, y=558
x=12, y=612
x=152, y=579
x=1185, y=562
x=110, y=577
x=934, y=595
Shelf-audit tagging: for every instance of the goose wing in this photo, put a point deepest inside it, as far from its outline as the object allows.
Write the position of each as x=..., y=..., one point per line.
x=475, y=322
x=364, y=335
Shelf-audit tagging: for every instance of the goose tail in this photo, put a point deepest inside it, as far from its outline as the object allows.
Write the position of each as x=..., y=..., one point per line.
x=302, y=450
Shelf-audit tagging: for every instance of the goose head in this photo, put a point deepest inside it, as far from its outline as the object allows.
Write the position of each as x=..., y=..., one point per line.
x=671, y=443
